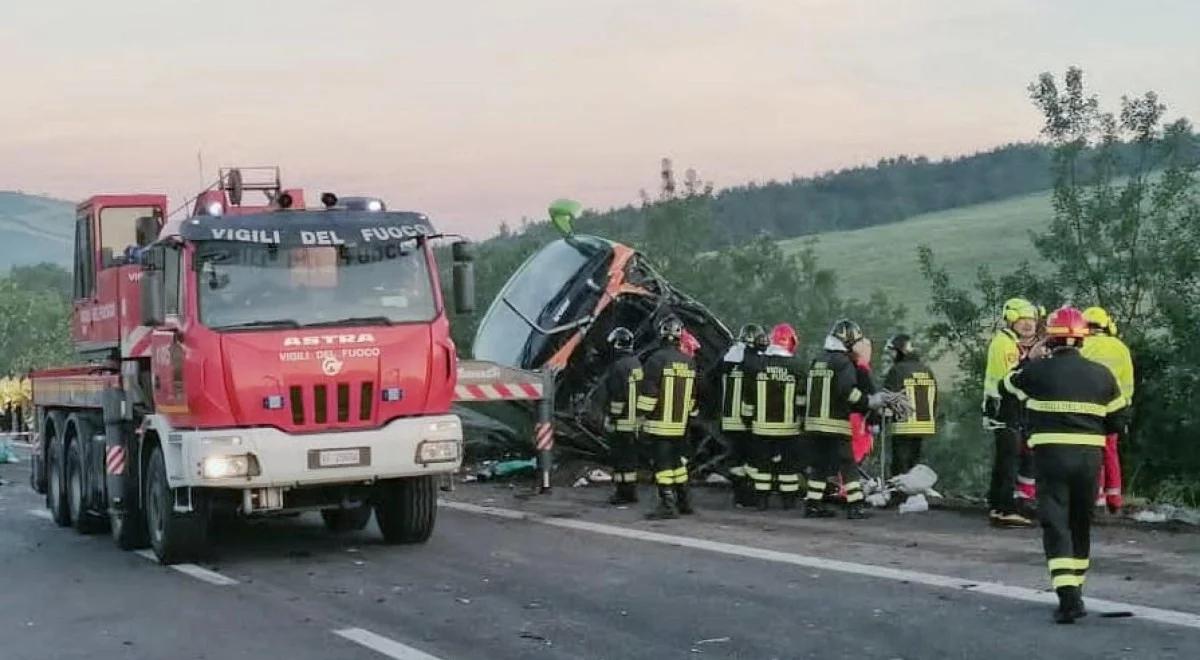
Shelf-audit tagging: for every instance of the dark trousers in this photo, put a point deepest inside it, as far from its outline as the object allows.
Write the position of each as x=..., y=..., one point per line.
x=906, y=453
x=1004, y=470
x=668, y=456
x=776, y=464
x=1066, y=494
x=832, y=456
x=739, y=458
x=624, y=451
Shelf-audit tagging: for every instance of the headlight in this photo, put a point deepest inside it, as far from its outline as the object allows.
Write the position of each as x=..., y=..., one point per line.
x=437, y=451
x=225, y=467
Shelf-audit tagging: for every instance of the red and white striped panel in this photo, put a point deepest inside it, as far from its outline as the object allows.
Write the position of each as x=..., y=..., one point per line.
x=115, y=460
x=137, y=342
x=543, y=436
x=499, y=392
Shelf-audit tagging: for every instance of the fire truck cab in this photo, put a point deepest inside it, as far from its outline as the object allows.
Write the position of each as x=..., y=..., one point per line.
x=251, y=360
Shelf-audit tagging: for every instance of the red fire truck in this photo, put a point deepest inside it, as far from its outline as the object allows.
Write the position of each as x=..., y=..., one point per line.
x=250, y=360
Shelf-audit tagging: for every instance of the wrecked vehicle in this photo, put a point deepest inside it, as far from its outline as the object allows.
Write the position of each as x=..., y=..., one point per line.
x=556, y=311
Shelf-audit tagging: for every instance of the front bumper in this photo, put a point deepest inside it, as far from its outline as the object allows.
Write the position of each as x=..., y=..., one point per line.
x=286, y=461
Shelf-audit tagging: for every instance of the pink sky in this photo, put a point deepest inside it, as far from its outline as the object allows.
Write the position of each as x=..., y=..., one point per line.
x=477, y=112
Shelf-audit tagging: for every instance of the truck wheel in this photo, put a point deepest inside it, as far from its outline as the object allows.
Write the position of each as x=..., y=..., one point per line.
x=406, y=509
x=175, y=537
x=56, y=491
x=346, y=520
x=81, y=519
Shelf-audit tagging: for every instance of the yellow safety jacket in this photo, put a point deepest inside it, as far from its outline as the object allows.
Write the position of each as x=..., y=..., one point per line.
x=1114, y=354
x=910, y=376
x=667, y=393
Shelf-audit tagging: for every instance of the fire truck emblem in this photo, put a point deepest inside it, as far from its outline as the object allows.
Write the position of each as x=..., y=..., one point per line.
x=331, y=365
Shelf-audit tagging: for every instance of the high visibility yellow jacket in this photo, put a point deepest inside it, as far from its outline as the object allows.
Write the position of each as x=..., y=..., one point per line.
x=667, y=393
x=1114, y=354
x=1004, y=354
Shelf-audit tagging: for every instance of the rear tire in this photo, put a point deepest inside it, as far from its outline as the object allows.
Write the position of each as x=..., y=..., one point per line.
x=56, y=475
x=406, y=509
x=81, y=519
x=346, y=520
x=175, y=537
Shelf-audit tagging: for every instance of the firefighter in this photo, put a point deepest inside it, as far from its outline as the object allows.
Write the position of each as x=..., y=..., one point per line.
x=740, y=357
x=666, y=396
x=1105, y=347
x=831, y=395
x=910, y=376
x=773, y=401
x=1072, y=404
x=621, y=388
x=1001, y=412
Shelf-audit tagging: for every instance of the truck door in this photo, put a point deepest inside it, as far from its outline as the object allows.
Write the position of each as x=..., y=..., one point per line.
x=166, y=343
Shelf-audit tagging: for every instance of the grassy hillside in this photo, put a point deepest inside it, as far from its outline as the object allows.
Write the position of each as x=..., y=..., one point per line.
x=34, y=229
x=885, y=257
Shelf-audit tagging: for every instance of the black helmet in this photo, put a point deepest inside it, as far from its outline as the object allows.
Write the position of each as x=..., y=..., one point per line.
x=847, y=332
x=750, y=334
x=671, y=329
x=621, y=339
x=901, y=344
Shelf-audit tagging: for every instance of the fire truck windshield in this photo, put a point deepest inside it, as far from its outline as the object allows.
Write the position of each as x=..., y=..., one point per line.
x=247, y=285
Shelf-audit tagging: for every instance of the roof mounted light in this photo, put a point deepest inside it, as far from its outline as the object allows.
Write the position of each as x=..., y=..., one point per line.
x=370, y=204
x=284, y=200
x=374, y=205
x=329, y=199
x=215, y=209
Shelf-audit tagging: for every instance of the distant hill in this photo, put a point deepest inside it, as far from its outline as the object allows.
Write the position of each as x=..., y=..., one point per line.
x=34, y=229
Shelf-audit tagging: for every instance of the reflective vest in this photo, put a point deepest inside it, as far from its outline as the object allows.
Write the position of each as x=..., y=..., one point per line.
x=1068, y=400
x=773, y=394
x=831, y=394
x=916, y=381
x=667, y=393
x=622, y=387
x=1114, y=354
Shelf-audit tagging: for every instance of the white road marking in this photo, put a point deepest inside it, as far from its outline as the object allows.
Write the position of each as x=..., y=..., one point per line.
x=1098, y=605
x=381, y=644
x=41, y=513
x=202, y=574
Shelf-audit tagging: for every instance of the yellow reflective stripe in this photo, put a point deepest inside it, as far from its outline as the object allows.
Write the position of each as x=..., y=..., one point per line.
x=1067, y=580
x=856, y=496
x=1066, y=564
x=1116, y=404
x=664, y=477
x=668, y=429
x=913, y=428
x=760, y=396
x=625, y=425
x=747, y=410
x=1070, y=407
x=733, y=424
x=775, y=429
x=616, y=407
x=1087, y=439
x=789, y=488
x=855, y=395
x=667, y=396
x=646, y=403
x=837, y=426
x=1016, y=391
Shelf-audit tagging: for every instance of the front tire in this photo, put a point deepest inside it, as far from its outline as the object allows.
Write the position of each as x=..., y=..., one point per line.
x=56, y=492
x=406, y=509
x=174, y=537
x=346, y=520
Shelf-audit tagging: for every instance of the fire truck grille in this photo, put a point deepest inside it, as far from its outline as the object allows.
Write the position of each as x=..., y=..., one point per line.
x=318, y=404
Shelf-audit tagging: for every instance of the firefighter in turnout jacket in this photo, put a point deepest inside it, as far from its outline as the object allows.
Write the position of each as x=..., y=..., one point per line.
x=831, y=394
x=1001, y=411
x=740, y=357
x=910, y=376
x=621, y=389
x=1103, y=346
x=1072, y=404
x=667, y=398
x=773, y=401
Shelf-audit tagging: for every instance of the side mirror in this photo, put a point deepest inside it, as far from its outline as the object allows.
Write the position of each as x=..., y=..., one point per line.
x=153, y=312
x=146, y=230
x=563, y=214
x=463, y=277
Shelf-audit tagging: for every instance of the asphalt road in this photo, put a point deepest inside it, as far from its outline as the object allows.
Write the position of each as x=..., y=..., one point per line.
x=489, y=587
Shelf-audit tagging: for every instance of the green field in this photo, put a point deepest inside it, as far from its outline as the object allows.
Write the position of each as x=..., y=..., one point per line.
x=885, y=257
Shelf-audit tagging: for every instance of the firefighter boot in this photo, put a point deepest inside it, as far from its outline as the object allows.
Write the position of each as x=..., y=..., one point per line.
x=625, y=494
x=762, y=499
x=789, y=500
x=666, y=505
x=816, y=509
x=856, y=511
x=1070, y=605
x=683, y=499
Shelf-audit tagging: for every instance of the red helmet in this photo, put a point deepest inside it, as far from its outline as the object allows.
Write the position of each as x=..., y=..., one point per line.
x=784, y=336
x=1066, y=323
x=688, y=344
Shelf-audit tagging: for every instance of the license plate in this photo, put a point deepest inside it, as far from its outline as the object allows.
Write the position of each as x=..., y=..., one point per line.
x=335, y=458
